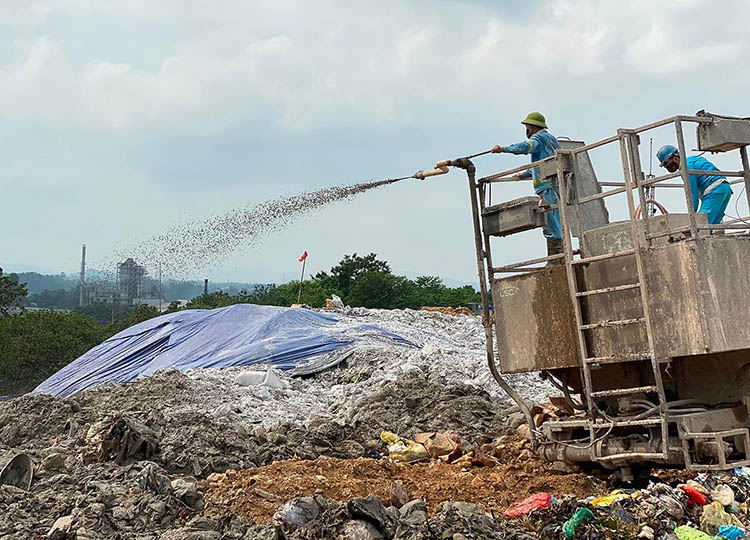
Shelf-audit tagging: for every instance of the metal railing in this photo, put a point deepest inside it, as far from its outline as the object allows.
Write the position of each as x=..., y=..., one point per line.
x=634, y=179
x=632, y=158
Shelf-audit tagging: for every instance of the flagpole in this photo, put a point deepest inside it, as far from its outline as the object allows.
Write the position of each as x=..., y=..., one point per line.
x=301, y=278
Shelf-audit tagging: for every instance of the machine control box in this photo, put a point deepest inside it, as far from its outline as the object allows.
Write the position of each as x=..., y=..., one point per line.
x=512, y=216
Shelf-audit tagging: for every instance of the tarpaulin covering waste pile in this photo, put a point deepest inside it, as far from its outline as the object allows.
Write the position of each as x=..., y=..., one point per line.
x=238, y=335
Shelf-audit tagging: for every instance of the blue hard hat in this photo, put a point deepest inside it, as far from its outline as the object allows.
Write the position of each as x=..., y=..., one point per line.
x=665, y=152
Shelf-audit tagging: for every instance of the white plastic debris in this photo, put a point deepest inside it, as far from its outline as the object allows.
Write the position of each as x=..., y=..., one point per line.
x=274, y=381
x=724, y=494
x=260, y=378
x=250, y=378
x=647, y=533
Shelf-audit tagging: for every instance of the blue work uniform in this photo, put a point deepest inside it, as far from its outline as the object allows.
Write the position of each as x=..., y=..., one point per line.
x=713, y=191
x=540, y=145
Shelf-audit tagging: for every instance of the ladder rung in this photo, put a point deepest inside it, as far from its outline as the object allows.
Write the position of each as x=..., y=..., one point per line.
x=605, y=324
x=623, y=391
x=616, y=359
x=604, y=257
x=609, y=289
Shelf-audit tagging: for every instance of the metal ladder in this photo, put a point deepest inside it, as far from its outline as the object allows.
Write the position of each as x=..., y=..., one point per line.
x=597, y=422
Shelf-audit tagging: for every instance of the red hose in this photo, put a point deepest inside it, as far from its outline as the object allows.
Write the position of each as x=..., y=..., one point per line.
x=658, y=205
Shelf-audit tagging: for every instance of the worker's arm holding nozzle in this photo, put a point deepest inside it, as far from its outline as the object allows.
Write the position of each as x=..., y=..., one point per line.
x=523, y=147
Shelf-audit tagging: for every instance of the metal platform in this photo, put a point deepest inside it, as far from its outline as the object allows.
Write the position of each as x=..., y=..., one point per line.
x=648, y=312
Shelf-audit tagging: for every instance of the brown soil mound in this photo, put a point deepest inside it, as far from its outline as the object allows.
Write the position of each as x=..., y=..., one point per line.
x=255, y=494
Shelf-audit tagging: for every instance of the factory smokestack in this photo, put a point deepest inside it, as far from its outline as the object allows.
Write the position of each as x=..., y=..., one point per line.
x=83, y=273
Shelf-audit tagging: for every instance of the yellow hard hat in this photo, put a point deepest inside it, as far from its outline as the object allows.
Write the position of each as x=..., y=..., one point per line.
x=535, y=119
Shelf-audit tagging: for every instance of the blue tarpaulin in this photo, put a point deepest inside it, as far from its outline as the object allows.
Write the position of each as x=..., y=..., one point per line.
x=238, y=335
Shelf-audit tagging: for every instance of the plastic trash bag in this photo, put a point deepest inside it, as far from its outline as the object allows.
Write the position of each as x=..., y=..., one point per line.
x=615, y=496
x=581, y=516
x=688, y=533
x=730, y=532
x=724, y=494
x=403, y=449
x=268, y=378
x=534, y=502
x=714, y=516
x=695, y=497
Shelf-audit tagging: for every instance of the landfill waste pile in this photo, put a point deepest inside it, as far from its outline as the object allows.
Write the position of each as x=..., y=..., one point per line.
x=377, y=441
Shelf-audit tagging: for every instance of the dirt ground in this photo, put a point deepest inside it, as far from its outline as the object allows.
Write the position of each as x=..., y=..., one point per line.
x=255, y=494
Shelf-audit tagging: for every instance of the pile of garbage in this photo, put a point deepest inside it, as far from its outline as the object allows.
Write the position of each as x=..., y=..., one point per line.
x=384, y=441
x=368, y=518
x=709, y=506
x=476, y=501
x=126, y=459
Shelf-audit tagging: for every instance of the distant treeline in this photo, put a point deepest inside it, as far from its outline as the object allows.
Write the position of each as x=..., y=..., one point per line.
x=359, y=282
x=62, y=291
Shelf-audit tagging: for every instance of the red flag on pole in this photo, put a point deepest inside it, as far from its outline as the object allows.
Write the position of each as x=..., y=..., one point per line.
x=304, y=256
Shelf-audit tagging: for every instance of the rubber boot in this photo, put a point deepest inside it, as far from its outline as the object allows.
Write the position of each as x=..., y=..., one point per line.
x=554, y=247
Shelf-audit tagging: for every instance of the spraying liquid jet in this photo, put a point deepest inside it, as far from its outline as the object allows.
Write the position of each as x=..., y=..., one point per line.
x=191, y=246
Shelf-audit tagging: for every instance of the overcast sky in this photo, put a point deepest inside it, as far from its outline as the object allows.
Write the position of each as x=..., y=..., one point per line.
x=119, y=119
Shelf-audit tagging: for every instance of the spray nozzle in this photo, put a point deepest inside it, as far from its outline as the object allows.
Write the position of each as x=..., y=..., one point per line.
x=441, y=167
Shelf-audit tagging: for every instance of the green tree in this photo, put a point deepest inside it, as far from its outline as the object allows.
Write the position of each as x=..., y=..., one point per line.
x=380, y=290
x=313, y=294
x=34, y=345
x=428, y=291
x=345, y=273
x=56, y=298
x=105, y=313
x=460, y=296
x=12, y=293
x=212, y=300
x=136, y=315
x=173, y=307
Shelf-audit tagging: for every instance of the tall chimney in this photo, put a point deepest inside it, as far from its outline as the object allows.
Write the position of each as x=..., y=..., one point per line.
x=205, y=286
x=83, y=274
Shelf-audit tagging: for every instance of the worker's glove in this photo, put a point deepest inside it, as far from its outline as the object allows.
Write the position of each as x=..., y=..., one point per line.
x=542, y=203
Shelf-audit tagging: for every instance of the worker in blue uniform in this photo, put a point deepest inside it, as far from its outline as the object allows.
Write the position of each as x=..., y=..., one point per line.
x=540, y=144
x=712, y=191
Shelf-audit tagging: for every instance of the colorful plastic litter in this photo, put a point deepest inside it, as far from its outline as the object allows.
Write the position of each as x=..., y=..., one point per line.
x=534, y=502
x=695, y=497
x=714, y=516
x=579, y=518
x=403, y=449
x=688, y=533
x=730, y=532
x=724, y=494
x=616, y=496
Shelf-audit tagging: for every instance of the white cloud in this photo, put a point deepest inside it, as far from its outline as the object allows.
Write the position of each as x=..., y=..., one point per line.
x=372, y=64
x=121, y=75
x=666, y=50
